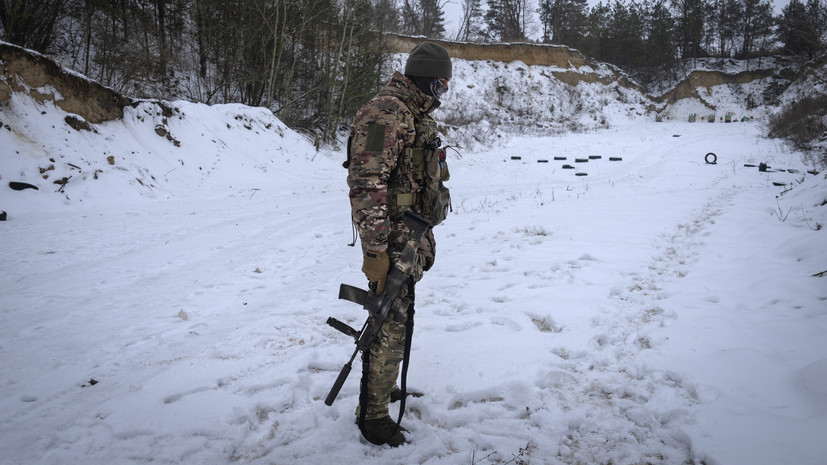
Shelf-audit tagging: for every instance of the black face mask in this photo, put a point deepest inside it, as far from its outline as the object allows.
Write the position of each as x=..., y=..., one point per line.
x=428, y=85
x=438, y=89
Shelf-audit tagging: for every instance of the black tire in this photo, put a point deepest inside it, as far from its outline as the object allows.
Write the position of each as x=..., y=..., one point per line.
x=19, y=186
x=713, y=157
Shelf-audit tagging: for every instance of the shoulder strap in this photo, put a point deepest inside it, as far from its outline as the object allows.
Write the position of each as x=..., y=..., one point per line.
x=400, y=95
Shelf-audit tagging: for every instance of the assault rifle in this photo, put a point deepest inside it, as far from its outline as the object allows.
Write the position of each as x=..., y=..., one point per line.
x=379, y=307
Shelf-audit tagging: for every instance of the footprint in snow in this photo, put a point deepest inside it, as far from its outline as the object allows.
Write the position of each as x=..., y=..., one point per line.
x=462, y=326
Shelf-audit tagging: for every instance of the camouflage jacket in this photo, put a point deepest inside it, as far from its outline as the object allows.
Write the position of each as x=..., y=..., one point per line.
x=398, y=117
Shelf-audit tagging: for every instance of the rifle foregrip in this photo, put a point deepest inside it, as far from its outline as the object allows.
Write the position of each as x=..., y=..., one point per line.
x=342, y=327
x=337, y=386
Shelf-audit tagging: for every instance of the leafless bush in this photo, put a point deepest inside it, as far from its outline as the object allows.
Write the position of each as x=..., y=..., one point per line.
x=802, y=123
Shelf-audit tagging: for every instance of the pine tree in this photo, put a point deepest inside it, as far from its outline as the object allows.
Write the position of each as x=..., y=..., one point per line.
x=726, y=17
x=494, y=20
x=798, y=28
x=756, y=27
x=597, y=40
x=423, y=18
x=690, y=27
x=433, y=19
x=817, y=11
x=545, y=10
x=563, y=21
x=506, y=19
x=386, y=17
x=625, y=44
x=659, y=30
x=411, y=17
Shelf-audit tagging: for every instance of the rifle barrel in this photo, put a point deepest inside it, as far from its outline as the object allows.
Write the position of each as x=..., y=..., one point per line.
x=337, y=386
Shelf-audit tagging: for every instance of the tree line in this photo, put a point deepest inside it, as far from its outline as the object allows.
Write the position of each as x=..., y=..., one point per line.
x=648, y=38
x=313, y=62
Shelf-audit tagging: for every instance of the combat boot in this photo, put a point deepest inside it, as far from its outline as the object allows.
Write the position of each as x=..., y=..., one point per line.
x=383, y=431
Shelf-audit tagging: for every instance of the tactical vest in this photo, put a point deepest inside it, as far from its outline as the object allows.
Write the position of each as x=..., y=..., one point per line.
x=417, y=180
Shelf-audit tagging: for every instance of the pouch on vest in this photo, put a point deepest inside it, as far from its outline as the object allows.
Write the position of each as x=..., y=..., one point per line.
x=436, y=198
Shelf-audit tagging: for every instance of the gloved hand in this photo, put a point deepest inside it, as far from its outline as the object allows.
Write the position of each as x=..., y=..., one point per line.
x=375, y=265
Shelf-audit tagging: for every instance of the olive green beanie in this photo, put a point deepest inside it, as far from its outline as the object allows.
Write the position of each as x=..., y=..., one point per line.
x=429, y=60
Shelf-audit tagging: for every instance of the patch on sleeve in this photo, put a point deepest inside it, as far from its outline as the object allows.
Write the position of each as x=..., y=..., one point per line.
x=376, y=138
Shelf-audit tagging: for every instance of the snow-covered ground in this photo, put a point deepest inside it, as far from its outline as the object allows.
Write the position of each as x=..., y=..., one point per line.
x=168, y=305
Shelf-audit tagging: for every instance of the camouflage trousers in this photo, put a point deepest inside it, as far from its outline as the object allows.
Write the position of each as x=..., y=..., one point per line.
x=380, y=366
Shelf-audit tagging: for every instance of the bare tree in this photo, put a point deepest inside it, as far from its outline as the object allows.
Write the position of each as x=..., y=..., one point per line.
x=30, y=23
x=470, y=27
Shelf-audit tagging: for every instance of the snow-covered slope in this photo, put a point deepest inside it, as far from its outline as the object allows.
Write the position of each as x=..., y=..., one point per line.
x=154, y=152
x=489, y=101
x=168, y=306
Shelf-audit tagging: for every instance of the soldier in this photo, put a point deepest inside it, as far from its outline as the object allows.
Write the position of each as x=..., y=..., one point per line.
x=396, y=164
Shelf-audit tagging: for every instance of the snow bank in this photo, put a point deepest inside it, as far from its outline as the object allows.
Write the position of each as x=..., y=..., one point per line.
x=158, y=150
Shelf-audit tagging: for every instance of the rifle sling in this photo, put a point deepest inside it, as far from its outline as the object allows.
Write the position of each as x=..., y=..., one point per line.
x=406, y=356
x=363, y=392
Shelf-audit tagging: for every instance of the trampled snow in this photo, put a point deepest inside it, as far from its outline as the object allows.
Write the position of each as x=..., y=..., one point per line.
x=167, y=304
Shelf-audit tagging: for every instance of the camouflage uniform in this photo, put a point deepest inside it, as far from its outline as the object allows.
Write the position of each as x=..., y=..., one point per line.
x=385, y=178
